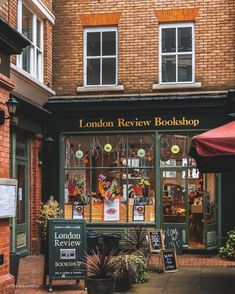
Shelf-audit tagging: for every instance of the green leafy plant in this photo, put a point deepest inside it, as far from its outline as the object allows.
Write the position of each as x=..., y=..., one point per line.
x=126, y=268
x=228, y=251
x=141, y=267
x=50, y=209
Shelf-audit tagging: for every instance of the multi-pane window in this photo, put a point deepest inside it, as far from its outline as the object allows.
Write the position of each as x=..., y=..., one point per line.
x=176, y=49
x=32, y=28
x=110, y=178
x=100, y=56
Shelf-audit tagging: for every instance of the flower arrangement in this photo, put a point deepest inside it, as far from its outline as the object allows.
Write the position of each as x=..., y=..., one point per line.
x=140, y=188
x=76, y=185
x=107, y=189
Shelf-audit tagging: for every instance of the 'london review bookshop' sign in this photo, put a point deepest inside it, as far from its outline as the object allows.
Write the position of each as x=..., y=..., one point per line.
x=137, y=122
x=67, y=249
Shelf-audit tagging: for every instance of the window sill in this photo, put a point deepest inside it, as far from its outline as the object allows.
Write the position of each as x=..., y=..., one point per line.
x=31, y=79
x=100, y=88
x=177, y=86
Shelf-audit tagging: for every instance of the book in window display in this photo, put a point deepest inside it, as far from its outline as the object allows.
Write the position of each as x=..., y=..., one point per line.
x=78, y=211
x=111, y=210
x=138, y=213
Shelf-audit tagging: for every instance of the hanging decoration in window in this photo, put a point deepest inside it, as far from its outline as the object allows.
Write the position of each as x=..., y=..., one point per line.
x=175, y=149
x=108, y=189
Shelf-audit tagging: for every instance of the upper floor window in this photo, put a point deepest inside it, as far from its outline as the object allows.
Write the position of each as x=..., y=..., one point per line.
x=100, y=60
x=176, y=49
x=31, y=60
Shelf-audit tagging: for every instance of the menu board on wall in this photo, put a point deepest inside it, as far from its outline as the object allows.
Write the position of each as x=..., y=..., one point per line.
x=8, y=192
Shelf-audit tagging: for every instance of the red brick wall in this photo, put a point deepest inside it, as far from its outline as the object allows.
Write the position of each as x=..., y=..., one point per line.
x=6, y=280
x=138, y=42
x=35, y=192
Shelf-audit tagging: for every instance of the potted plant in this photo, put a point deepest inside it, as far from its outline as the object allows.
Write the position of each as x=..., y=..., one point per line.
x=137, y=240
x=101, y=267
x=228, y=251
x=50, y=209
x=125, y=274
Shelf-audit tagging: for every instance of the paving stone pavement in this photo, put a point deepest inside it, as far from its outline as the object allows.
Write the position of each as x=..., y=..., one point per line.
x=201, y=274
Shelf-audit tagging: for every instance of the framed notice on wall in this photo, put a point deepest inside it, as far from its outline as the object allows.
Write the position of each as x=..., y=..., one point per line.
x=8, y=194
x=111, y=210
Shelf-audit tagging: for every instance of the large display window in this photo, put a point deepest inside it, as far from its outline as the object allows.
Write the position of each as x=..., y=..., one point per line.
x=110, y=177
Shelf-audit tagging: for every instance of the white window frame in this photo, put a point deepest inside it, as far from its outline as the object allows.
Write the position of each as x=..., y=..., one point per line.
x=33, y=47
x=100, y=29
x=176, y=26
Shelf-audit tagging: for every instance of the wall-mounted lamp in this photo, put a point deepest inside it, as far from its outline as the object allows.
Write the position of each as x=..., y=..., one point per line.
x=49, y=143
x=12, y=104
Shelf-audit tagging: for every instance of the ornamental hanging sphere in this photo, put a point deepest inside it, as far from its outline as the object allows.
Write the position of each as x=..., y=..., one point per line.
x=175, y=149
x=108, y=147
x=141, y=152
x=79, y=154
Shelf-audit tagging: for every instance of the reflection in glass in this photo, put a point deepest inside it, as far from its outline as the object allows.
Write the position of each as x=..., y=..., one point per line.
x=168, y=40
x=108, y=43
x=93, y=71
x=184, y=39
x=185, y=68
x=93, y=44
x=27, y=21
x=169, y=68
x=109, y=71
x=26, y=59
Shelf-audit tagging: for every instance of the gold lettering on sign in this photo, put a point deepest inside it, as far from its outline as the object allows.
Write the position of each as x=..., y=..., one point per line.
x=133, y=123
x=175, y=122
x=96, y=124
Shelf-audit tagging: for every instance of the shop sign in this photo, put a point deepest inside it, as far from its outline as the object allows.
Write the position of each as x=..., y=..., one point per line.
x=155, y=239
x=154, y=122
x=169, y=260
x=67, y=249
x=173, y=238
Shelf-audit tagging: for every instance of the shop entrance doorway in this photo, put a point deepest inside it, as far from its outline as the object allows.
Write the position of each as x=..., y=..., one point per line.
x=202, y=212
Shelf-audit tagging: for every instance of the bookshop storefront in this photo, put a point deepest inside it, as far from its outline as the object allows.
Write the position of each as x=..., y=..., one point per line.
x=116, y=172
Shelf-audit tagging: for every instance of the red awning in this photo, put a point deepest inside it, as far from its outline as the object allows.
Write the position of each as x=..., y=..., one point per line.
x=214, y=150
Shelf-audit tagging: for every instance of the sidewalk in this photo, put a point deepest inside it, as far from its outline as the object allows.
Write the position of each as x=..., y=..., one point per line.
x=201, y=274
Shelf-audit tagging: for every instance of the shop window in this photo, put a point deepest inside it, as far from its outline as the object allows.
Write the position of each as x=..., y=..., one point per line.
x=100, y=56
x=31, y=59
x=173, y=150
x=174, y=197
x=176, y=47
x=112, y=177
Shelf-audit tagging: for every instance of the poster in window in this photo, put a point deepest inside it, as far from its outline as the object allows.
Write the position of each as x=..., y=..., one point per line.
x=78, y=211
x=138, y=212
x=111, y=210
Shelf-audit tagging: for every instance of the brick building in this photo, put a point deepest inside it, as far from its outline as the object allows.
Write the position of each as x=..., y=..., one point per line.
x=134, y=81
x=27, y=79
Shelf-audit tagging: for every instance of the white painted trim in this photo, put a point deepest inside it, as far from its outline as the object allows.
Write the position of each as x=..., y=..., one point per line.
x=85, y=57
x=100, y=88
x=41, y=10
x=176, y=26
x=27, y=77
x=165, y=86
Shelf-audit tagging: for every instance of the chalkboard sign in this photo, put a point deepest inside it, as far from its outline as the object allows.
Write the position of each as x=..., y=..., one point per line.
x=8, y=192
x=173, y=238
x=169, y=260
x=155, y=240
x=67, y=249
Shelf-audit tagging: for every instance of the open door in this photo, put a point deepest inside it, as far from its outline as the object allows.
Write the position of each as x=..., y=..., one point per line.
x=202, y=212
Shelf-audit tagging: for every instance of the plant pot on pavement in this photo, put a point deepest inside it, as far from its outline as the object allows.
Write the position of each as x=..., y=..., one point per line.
x=100, y=285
